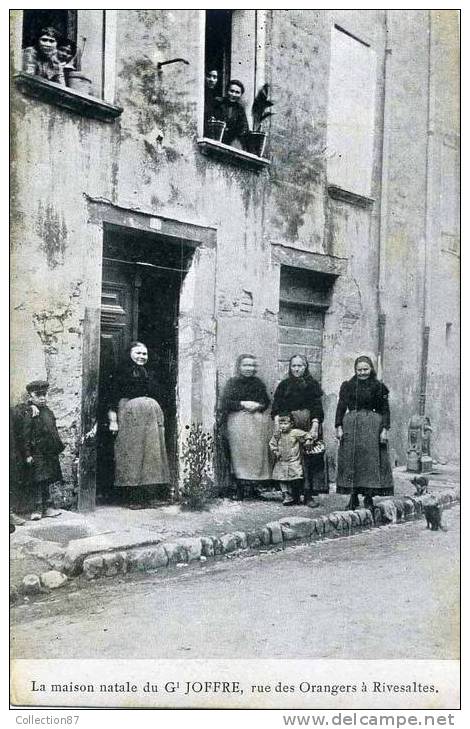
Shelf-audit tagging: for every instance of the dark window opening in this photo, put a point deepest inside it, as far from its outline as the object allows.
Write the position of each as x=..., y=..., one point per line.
x=218, y=46
x=64, y=21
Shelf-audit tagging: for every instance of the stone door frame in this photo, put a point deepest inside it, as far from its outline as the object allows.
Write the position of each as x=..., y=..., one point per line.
x=196, y=389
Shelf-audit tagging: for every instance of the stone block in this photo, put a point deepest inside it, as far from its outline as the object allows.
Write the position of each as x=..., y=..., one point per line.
x=229, y=542
x=147, y=558
x=400, y=507
x=388, y=511
x=193, y=547
x=335, y=521
x=377, y=516
x=93, y=567
x=53, y=579
x=295, y=528
x=52, y=552
x=319, y=528
x=275, y=532
x=207, y=548
x=409, y=508
x=242, y=541
x=79, y=549
x=265, y=536
x=346, y=520
x=218, y=548
x=327, y=526
x=114, y=563
x=365, y=515
x=176, y=553
x=255, y=538
x=31, y=585
x=355, y=520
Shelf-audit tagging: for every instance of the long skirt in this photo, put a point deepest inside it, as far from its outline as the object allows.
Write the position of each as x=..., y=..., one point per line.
x=315, y=472
x=248, y=437
x=139, y=450
x=363, y=462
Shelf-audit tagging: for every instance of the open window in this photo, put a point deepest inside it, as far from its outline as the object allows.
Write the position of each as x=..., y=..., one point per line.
x=234, y=50
x=65, y=22
x=82, y=76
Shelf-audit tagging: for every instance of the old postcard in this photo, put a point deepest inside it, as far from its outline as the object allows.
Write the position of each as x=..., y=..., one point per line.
x=234, y=416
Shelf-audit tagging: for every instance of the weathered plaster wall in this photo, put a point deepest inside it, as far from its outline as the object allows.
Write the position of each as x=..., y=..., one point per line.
x=56, y=158
x=60, y=158
x=421, y=281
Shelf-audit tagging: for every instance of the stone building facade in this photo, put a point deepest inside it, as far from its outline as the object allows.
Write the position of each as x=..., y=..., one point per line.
x=342, y=239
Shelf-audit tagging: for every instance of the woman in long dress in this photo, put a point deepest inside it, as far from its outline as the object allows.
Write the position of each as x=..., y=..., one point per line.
x=243, y=405
x=301, y=395
x=137, y=420
x=362, y=423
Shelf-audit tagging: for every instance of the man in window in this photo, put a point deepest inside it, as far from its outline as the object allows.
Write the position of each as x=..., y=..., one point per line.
x=230, y=110
x=41, y=59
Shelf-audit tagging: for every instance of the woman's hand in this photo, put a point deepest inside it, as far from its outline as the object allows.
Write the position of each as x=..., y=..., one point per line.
x=384, y=435
x=250, y=406
x=339, y=432
x=29, y=460
x=313, y=434
x=113, y=422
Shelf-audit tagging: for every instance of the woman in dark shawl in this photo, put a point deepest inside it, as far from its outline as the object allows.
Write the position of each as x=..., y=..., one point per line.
x=300, y=394
x=136, y=418
x=242, y=408
x=362, y=423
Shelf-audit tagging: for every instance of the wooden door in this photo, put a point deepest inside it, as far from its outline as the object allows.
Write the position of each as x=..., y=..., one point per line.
x=300, y=332
x=119, y=321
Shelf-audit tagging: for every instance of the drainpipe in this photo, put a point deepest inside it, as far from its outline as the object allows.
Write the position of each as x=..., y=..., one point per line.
x=428, y=224
x=386, y=125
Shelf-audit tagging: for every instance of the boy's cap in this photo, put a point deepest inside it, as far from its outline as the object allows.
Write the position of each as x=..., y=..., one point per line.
x=38, y=386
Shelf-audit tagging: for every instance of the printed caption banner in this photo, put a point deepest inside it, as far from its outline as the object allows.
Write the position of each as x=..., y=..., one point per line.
x=236, y=684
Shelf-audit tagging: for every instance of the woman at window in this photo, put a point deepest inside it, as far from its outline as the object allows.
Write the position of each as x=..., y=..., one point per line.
x=230, y=110
x=362, y=423
x=136, y=418
x=41, y=59
x=300, y=395
x=242, y=410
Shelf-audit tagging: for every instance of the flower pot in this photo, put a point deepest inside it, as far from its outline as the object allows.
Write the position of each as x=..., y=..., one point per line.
x=215, y=129
x=255, y=142
x=77, y=81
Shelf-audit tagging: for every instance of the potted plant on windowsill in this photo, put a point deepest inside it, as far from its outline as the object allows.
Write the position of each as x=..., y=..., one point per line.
x=74, y=77
x=215, y=129
x=255, y=141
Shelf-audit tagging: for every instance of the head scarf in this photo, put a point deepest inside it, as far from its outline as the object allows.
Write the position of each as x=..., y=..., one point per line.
x=365, y=358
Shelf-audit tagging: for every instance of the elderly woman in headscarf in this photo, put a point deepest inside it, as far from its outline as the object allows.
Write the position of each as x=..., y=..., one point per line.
x=242, y=411
x=42, y=60
x=137, y=420
x=362, y=422
x=301, y=395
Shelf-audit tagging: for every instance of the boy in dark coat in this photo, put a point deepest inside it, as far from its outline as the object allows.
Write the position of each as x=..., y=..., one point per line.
x=40, y=445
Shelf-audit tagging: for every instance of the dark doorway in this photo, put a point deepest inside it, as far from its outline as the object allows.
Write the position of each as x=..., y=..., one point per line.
x=142, y=277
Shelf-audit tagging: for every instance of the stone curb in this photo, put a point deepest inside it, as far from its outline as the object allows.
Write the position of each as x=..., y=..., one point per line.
x=282, y=532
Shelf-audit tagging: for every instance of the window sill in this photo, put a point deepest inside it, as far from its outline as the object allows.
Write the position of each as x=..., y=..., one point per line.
x=66, y=98
x=337, y=193
x=231, y=154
